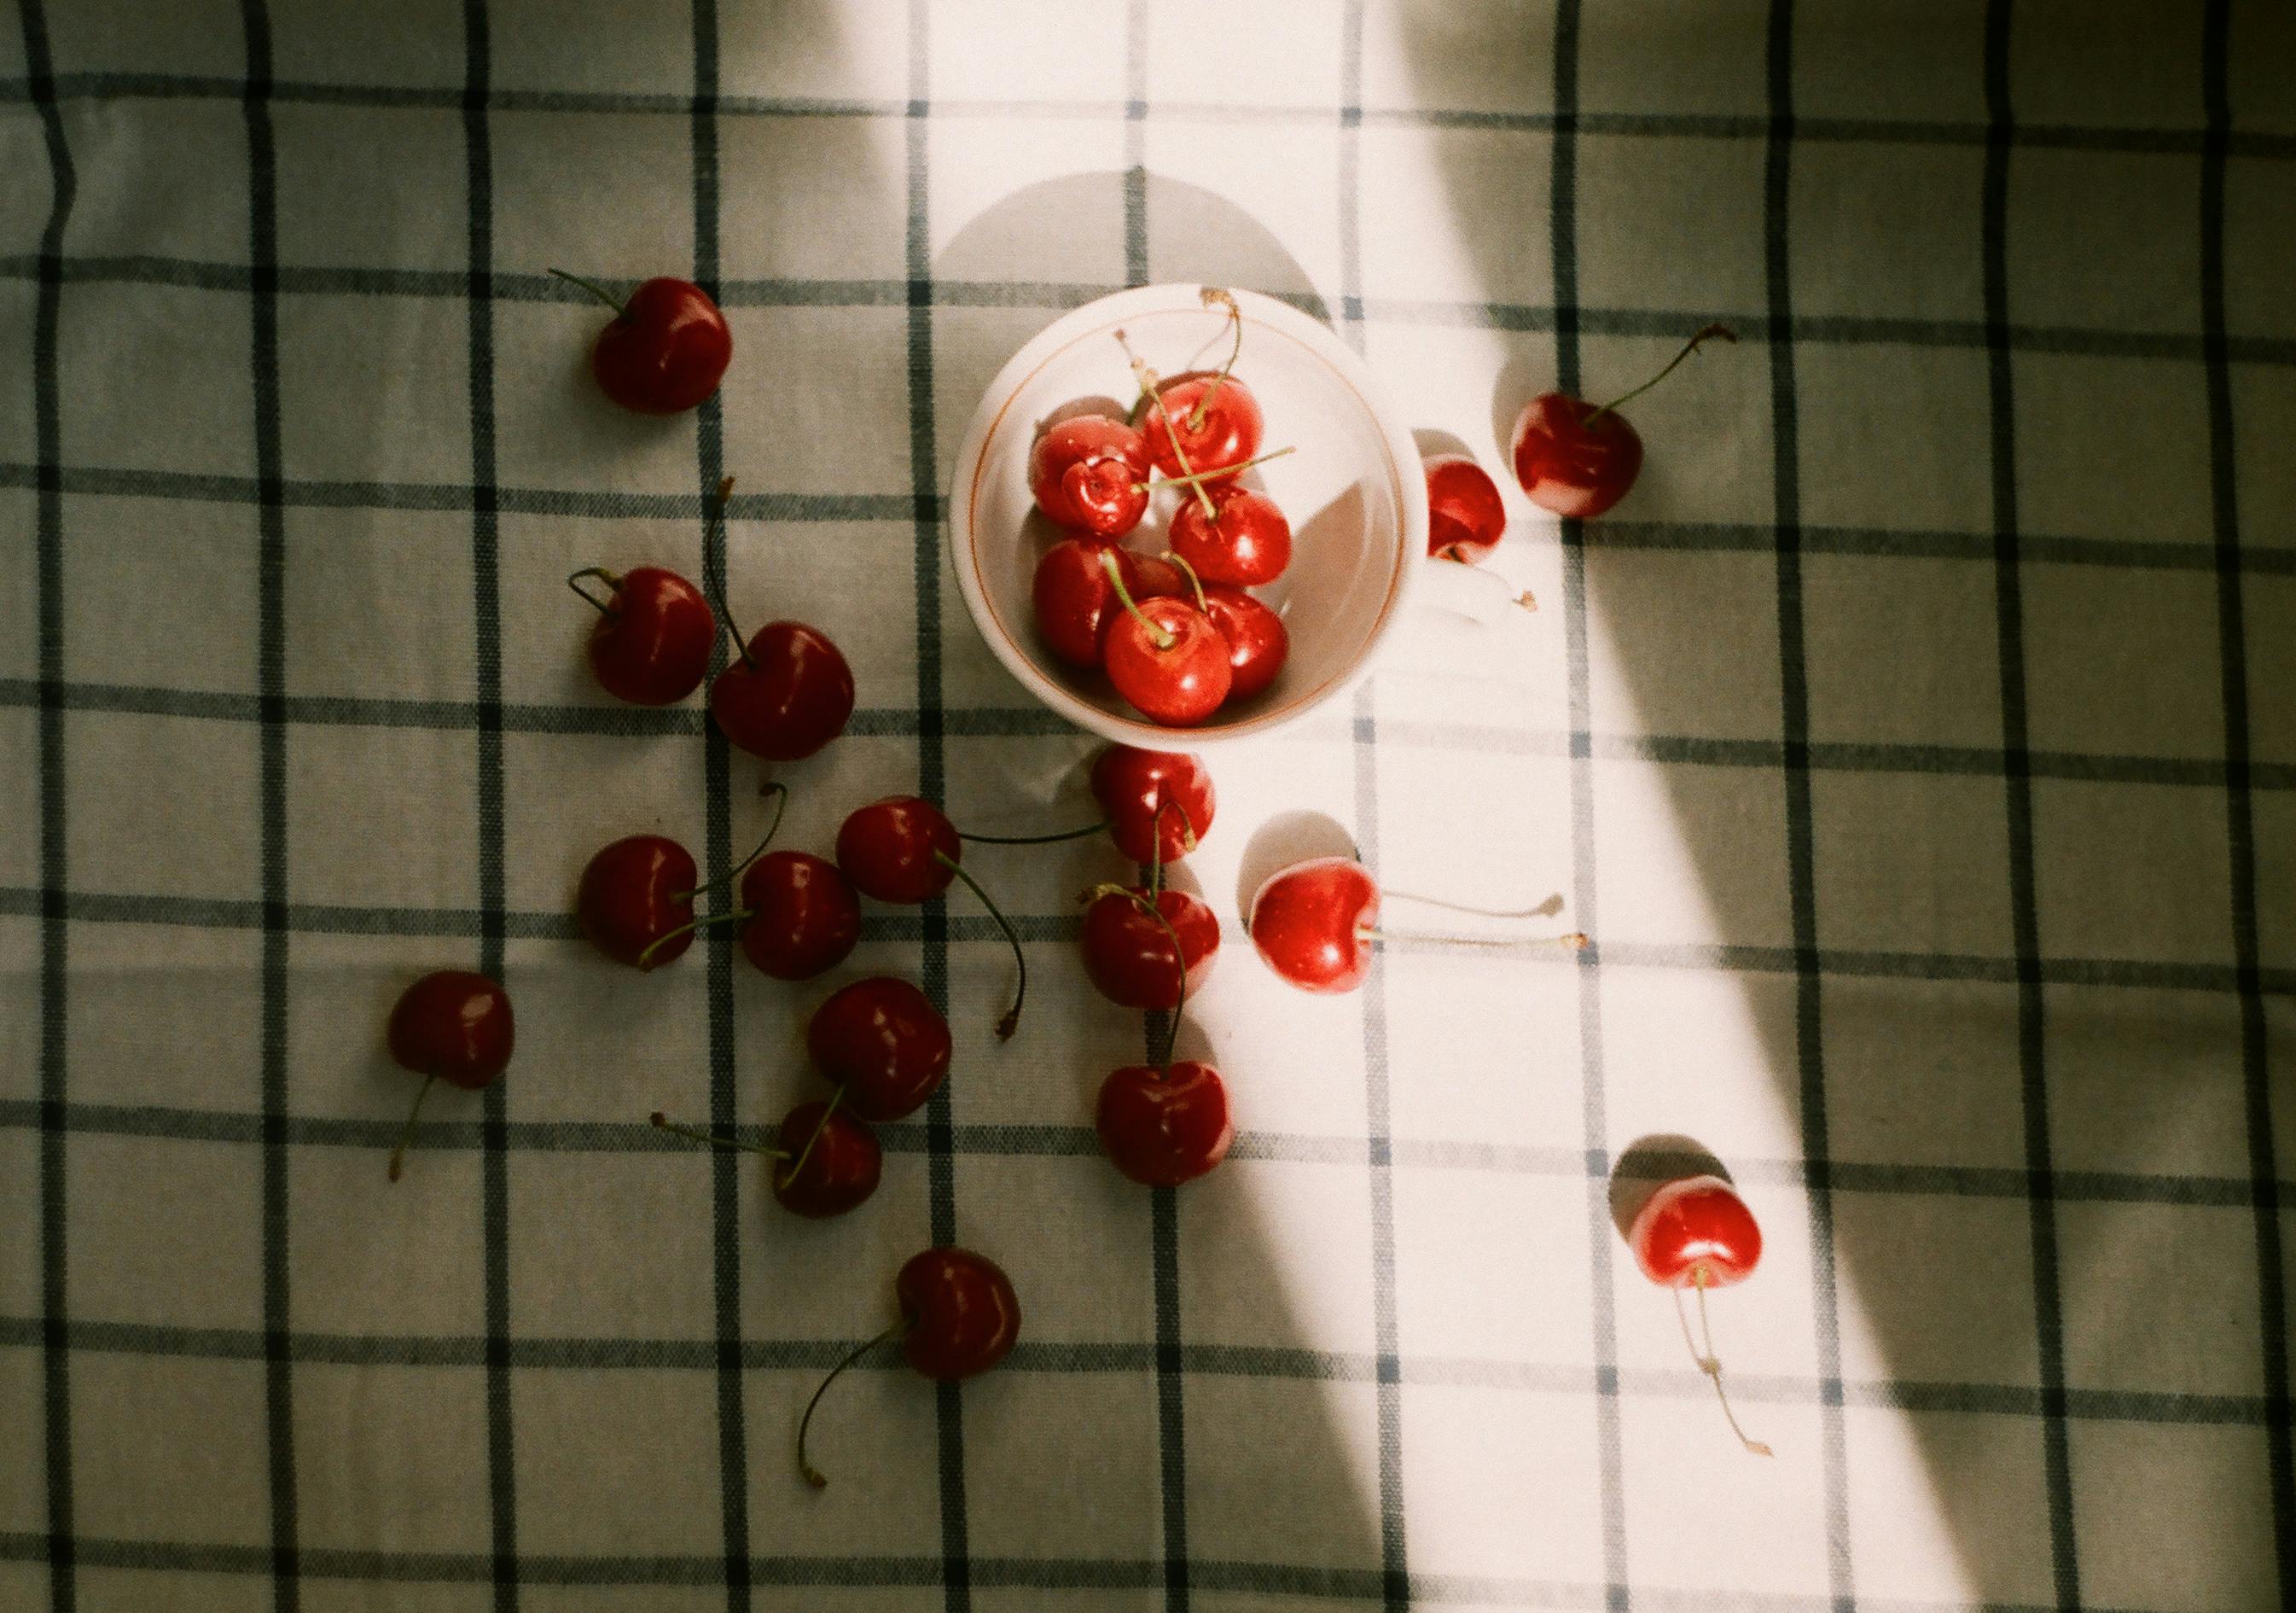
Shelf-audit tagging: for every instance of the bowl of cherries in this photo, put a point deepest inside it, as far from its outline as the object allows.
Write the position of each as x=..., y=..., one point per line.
x=1185, y=508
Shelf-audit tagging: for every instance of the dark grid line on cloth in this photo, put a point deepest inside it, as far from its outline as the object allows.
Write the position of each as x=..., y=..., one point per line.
x=716, y=767
x=948, y=1398
x=2024, y=907
x=1801, y=877
x=1242, y=1577
x=1693, y=126
x=55, y=932
x=486, y=605
x=1753, y=325
x=1372, y=994
x=448, y=716
x=1047, y=1140
x=1100, y=1358
x=1594, y=1126
x=270, y=653
x=323, y=919
x=2240, y=832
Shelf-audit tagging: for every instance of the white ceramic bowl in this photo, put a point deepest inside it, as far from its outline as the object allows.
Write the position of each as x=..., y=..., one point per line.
x=1353, y=491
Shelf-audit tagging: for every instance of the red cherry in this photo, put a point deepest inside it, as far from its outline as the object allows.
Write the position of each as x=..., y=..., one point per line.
x=901, y=849
x=1576, y=459
x=1244, y=540
x=883, y=1041
x=1089, y=474
x=1169, y=661
x=1074, y=599
x=1258, y=643
x=1152, y=797
x=1307, y=922
x=960, y=1314
x=636, y=893
x=665, y=349
x=837, y=1162
x=454, y=1026
x=650, y=646
x=1694, y=1232
x=1215, y=419
x=1128, y=955
x=1164, y=1127
x=959, y=1317
x=786, y=696
x=1465, y=515
x=804, y=917
x=904, y=849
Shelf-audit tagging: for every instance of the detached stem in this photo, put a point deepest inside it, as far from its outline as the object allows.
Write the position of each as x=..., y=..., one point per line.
x=610, y=579
x=1718, y=332
x=405, y=1136
x=1160, y=636
x=1148, y=386
x=1012, y=1020
x=596, y=290
x=1090, y=828
x=814, y=1475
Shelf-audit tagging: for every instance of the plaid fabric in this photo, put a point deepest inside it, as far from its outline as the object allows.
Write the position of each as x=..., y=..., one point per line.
x=1917, y=743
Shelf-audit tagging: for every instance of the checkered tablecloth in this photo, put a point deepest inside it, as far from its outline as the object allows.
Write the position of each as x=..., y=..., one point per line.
x=1917, y=742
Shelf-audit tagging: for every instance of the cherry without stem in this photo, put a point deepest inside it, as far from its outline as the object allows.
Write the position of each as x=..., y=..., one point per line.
x=1242, y=540
x=1465, y=515
x=1258, y=642
x=651, y=644
x=883, y=1044
x=959, y=1317
x=450, y=1026
x=666, y=349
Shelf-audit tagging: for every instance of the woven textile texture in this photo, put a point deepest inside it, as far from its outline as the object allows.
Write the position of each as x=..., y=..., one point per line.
x=1916, y=742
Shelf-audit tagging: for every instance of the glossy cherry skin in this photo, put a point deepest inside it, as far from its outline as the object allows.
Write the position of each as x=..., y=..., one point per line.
x=1229, y=433
x=959, y=1314
x=455, y=1025
x=1568, y=466
x=888, y=848
x=839, y=1173
x=1258, y=643
x=652, y=646
x=1164, y=1128
x=1245, y=540
x=1465, y=515
x=1179, y=684
x=791, y=697
x=804, y=916
x=634, y=893
x=1129, y=956
x=1305, y=921
x=665, y=351
x=1696, y=1230
x=1133, y=787
x=1089, y=474
x=884, y=1042
x=1075, y=602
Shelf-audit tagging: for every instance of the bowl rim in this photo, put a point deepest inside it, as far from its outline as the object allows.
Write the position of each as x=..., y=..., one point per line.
x=1099, y=318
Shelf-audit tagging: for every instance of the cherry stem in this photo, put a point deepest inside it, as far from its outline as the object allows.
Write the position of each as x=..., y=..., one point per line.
x=1012, y=1020
x=1159, y=637
x=609, y=579
x=662, y=1122
x=1576, y=941
x=1196, y=479
x=1526, y=600
x=667, y=936
x=1214, y=297
x=717, y=520
x=1090, y=828
x=780, y=793
x=1195, y=582
x=406, y=1134
x=1148, y=388
x=1149, y=905
x=1722, y=331
x=1708, y=1361
x=814, y=1475
x=596, y=290
x=819, y=1126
